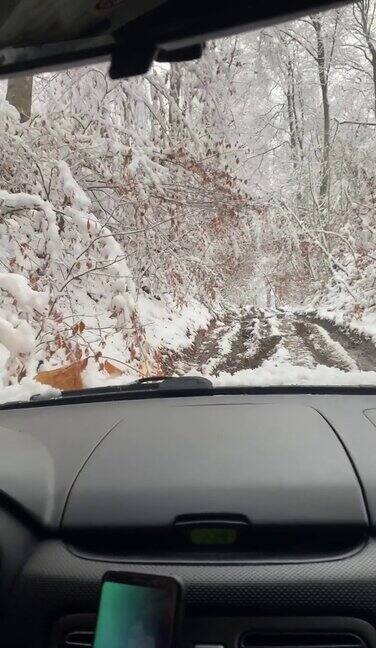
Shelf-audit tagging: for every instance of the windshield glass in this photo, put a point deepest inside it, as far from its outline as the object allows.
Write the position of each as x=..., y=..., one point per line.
x=214, y=217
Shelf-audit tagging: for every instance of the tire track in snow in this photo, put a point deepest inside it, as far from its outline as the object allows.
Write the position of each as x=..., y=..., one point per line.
x=224, y=345
x=204, y=347
x=323, y=348
x=248, y=340
x=297, y=353
x=254, y=344
x=209, y=347
x=360, y=348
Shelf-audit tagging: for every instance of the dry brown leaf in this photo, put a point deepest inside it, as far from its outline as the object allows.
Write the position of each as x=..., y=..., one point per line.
x=111, y=369
x=64, y=378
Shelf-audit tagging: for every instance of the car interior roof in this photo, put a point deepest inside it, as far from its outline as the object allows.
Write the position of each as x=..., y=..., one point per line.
x=47, y=35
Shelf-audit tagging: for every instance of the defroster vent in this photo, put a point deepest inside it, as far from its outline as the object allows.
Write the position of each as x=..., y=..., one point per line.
x=300, y=640
x=77, y=631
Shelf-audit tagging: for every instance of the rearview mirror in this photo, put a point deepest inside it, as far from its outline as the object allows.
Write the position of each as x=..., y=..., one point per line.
x=47, y=34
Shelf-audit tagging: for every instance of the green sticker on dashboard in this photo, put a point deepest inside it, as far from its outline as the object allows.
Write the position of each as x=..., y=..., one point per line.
x=213, y=536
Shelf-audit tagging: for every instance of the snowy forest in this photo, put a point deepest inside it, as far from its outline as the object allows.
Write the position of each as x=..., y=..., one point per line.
x=144, y=223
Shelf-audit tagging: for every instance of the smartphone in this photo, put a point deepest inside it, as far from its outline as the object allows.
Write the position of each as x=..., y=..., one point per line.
x=138, y=611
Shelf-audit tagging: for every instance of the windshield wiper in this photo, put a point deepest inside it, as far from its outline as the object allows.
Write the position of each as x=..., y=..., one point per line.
x=172, y=382
x=175, y=385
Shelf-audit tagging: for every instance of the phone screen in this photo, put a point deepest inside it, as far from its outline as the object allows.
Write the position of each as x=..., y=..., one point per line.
x=137, y=615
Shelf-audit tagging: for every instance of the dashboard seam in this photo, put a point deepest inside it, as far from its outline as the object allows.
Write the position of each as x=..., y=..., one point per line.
x=105, y=435
x=353, y=465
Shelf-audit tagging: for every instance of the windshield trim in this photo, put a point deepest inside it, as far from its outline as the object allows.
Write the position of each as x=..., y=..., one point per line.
x=109, y=394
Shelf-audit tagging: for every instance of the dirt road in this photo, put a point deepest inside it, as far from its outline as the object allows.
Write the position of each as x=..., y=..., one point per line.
x=248, y=340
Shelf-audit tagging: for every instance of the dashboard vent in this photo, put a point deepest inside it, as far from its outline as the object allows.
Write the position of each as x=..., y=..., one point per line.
x=301, y=640
x=81, y=635
x=79, y=639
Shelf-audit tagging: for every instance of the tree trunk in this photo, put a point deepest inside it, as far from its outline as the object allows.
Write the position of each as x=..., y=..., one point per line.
x=295, y=129
x=19, y=95
x=174, y=92
x=295, y=125
x=323, y=72
x=374, y=79
x=366, y=19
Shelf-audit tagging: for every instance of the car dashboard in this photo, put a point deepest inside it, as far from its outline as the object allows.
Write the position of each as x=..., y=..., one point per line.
x=263, y=504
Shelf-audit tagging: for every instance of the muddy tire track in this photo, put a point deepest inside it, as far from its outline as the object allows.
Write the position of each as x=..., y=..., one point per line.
x=241, y=356
x=203, y=348
x=249, y=348
x=322, y=353
x=308, y=341
x=359, y=347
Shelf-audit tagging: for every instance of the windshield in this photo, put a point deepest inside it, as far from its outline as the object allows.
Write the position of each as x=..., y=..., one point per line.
x=214, y=217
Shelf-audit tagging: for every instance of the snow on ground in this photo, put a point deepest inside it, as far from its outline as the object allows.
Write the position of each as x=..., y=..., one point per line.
x=291, y=349
x=25, y=389
x=279, y=370
x=253, y=341
x=270, y=374
x=168, y=326
x=365, y=325
x=335, y=347
x=295, y=360
x=274, y=325
x=92, y=377
x=225, y=342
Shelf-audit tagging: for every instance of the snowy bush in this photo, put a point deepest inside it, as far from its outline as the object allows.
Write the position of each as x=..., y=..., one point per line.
x=106, y=232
